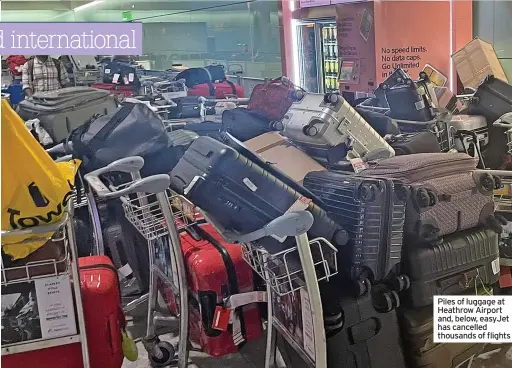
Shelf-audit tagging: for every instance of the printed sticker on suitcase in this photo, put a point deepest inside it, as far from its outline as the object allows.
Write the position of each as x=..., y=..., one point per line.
x=496, y=266
x=358, y=165
x=249, y=184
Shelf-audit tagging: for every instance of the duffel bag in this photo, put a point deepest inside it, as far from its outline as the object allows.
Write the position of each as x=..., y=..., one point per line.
x=133, y=130
x=219, y=90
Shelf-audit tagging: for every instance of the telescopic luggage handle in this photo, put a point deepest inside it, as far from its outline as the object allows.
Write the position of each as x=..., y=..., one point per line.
x=131, y=165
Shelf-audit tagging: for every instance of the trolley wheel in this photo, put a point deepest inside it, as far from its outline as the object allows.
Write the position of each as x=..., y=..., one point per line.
x=168, y=353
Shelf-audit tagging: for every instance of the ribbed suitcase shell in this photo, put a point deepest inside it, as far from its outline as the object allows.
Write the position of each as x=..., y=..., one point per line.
x=372, y=212
x=407, y=103
x=333, y=122
x=240, y=195
x=455, y=265
x=421, y=351
x=208, y=280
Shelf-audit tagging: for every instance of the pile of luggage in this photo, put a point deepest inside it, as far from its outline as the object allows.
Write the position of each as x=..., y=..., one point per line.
x=409, y=216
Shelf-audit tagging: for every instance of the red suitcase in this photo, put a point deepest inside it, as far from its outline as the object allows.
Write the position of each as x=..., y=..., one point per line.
x=215, y=270
x=104, y=318
x=219, y=90
x=104, y=321
x=116, y=89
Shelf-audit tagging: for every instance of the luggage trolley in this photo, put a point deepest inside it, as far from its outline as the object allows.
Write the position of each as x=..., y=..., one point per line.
x=503, y=198
x=147, y=206
x=33, y=273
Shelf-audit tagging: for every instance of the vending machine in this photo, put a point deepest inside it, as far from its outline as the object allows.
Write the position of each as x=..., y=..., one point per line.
x=318, y=55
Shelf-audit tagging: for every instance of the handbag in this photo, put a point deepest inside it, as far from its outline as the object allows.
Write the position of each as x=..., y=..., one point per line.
x=273, y=99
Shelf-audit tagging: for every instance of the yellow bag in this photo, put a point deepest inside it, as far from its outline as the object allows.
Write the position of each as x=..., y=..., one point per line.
x=35, y=189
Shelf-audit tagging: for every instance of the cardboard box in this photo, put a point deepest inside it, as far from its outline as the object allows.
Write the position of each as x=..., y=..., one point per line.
x=475, y=61
x=275, y=149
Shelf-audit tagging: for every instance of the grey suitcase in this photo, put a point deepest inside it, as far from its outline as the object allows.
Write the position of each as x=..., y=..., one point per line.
x=446, y=193
x=325, y=125
x=63, y=110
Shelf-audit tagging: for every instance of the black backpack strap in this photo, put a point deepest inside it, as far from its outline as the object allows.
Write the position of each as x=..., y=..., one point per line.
x=57, y=65
x=233, y=87
x=211, y=89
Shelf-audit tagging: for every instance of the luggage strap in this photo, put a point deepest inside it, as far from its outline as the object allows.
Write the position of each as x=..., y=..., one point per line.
x=211, y=88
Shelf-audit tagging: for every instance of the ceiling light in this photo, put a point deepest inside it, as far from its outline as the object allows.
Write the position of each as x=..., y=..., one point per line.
x=88, y=5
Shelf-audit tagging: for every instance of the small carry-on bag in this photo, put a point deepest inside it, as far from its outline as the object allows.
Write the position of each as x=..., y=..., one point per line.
x=328, y=128
x=410, y=143
x=65, y=109
x=471, y=123
x=408, y=102
x=372, y=210
x=104, y=318
x=117, y=72
x=247, y=197
x=447, y=194
x=245, y=124
x=273, y=99
x=216, y=270
x=420, y=349
x=462, y=260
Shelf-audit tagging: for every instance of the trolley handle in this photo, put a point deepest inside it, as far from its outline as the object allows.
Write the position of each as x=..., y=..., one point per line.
x=131, y=165
x=289, y=224
x=51, y=228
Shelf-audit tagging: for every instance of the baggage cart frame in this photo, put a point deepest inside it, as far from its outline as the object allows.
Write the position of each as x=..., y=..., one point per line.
x=63, y=231
x=147, y=204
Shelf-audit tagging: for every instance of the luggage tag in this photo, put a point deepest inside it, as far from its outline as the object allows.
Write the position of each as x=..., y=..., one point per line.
x=107, y=71
x=358, y=165
x=131, y=77
x=221, y=318
x=115, y=78
x=125, y=80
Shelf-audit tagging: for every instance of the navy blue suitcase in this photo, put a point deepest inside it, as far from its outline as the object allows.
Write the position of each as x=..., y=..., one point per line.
x=240, y=195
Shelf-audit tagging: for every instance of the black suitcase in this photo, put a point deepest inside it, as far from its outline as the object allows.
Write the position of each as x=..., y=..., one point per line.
x=367, y=339
x=407, y=103
x=241, y=196
x=186, y=107
x=492, y=99
x=373, y=213
x=244, y=124
x=126, y=74
x=420, y=350
x=410, y=143
x=381, y=123
x=127, y=249
x=461, y=260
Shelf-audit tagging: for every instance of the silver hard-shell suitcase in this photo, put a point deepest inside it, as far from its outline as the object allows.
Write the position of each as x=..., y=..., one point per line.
x=473, y=123
x=320, y=122
x=63, y=110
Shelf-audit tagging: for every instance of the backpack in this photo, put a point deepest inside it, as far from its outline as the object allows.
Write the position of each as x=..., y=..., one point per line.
x=31, y=69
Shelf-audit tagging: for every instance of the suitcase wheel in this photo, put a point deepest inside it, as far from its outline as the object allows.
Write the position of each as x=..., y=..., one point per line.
x=399, y=283
x=402, y=192
x=497, y=183
x=165, y=352
x=488, y=183
x=362, y=287
x=385, y=300
x=424, y=198
x=367, y=192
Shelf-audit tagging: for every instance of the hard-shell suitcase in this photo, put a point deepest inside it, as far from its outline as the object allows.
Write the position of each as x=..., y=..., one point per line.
x=244, y=124
x=367, y=338
x=440, y=126
x=410, y=143
x=218, y=90
x=407, y=102
x=492, y=99
x=447, y=195
x=104, y=318
x=455, y=265
x=65, y=109
x=247, y=197
x=127, y=249
x=321, y=123
x=216, y=270
x=473, y=123
x=186, y=107
x=118, y=72
x=372, y=210
x=420, y=349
